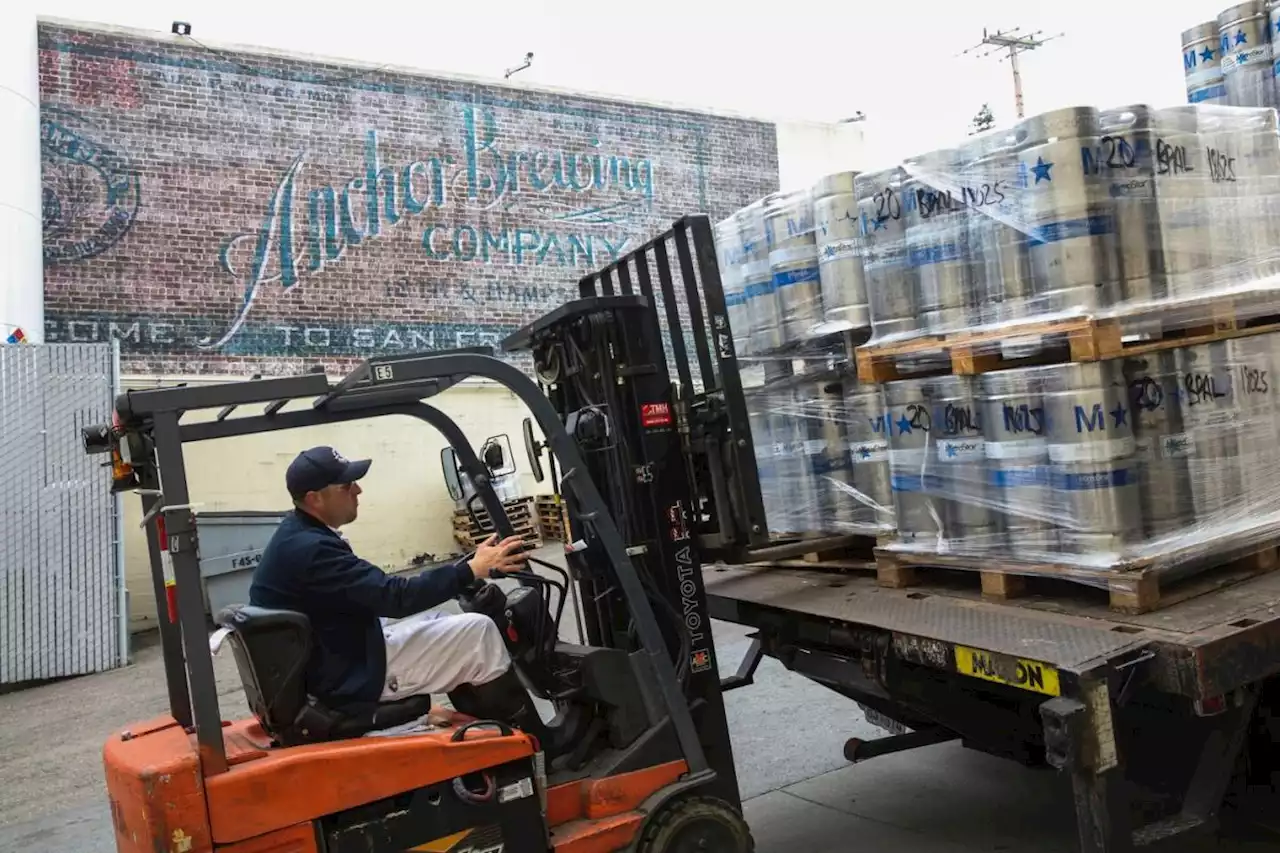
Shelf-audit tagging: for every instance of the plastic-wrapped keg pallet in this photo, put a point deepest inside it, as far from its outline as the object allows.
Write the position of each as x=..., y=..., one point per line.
x=1129, y=254
x=1075, y=235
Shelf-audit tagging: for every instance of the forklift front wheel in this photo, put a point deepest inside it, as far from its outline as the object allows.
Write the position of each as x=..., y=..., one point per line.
x=697, y=825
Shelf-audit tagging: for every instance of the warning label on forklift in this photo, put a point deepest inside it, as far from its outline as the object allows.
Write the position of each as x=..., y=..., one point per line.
x=1015, y=672
x=655, y=414
x=516, y=790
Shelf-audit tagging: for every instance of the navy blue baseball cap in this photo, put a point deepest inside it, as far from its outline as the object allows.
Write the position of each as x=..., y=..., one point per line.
x=314, y=469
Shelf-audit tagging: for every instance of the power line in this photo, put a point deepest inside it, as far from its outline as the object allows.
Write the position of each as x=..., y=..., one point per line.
x=1010, y=44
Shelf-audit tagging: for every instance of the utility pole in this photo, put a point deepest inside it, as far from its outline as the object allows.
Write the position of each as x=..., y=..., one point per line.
x=1013, y=44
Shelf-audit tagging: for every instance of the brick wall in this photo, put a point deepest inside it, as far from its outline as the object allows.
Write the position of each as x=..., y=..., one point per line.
x=234, y=212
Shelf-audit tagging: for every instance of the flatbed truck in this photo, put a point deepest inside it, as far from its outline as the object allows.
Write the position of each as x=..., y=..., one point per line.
x=1166, y=721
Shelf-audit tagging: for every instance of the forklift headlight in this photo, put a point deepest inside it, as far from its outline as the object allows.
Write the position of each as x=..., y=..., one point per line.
x=96, y=438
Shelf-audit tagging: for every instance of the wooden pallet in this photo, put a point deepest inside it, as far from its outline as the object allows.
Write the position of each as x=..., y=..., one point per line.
x=517, y=509
x=468, y=540
x=1073, y=339
x=1139, y=587
x=520, y=512
x=552, y=517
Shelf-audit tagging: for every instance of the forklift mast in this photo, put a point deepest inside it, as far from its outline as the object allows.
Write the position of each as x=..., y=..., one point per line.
x=602, y=366
x=623, y=349
x=665, y=439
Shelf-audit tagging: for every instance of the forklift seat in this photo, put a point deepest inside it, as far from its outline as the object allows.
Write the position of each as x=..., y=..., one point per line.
x=271, y=648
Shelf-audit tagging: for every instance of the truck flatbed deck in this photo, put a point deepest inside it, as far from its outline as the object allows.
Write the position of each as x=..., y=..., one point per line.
x=1155, y=716
x=1202, y=647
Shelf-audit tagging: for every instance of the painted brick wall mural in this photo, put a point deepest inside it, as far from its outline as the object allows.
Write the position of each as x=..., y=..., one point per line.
x=231, y=212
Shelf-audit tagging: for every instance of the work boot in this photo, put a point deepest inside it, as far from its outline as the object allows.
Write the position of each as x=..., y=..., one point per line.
x=505, y=699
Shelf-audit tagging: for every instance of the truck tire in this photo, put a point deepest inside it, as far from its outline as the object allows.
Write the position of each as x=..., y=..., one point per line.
x=696, y=825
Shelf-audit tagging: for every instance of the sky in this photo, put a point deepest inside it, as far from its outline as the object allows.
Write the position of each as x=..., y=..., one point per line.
x=899, y=63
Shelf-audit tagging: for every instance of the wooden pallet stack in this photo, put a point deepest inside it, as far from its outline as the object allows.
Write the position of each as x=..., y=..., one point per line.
x=1199, y=558
x=469, y=532
x=553, y=518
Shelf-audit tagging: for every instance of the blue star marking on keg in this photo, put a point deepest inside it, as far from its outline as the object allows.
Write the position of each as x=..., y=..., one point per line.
x=951, y=450
x=829, y=251
x=864, y=452
x=904, y=426
x=1207, y=53
x=1241, y=38
x=1242, y=58
x=1041, y=169
x=1119, y=413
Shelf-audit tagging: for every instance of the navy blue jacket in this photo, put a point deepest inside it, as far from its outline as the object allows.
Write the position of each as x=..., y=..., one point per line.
x=307, y=567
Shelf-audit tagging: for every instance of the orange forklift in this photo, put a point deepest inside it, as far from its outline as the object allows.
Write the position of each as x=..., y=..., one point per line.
x=640, y=698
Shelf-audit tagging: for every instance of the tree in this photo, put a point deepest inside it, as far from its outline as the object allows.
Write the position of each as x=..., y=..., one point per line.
x=984, y=120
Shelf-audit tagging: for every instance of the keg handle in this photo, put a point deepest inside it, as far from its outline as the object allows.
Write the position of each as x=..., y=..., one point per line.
x=1119, y=121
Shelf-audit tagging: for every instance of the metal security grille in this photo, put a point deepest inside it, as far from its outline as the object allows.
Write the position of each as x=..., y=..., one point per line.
x=62, y=608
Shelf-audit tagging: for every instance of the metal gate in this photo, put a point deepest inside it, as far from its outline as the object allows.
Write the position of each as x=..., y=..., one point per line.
x=62, y=601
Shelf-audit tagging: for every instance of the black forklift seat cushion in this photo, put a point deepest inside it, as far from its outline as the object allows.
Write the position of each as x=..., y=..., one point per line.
x=271, y=648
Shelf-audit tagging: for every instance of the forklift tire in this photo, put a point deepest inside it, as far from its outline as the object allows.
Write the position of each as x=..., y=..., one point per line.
x=696, y=825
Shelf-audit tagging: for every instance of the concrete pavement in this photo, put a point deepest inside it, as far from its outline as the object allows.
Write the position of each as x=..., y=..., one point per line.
x=788, y=735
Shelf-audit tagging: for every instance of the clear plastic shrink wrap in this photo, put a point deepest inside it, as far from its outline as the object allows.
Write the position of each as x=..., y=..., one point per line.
x=821, y=452
x=792, y=272
x=1163, y=218
x=1149, y=215
x=1143, y=214
x=1159, y=460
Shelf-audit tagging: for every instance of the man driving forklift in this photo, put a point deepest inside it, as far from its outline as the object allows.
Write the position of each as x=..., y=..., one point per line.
x=375, y=637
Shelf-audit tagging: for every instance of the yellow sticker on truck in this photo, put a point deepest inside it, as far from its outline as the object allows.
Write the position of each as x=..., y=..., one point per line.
x=1028, y=675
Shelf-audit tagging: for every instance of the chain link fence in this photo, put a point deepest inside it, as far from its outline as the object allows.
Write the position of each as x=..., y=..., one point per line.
x=62, y=602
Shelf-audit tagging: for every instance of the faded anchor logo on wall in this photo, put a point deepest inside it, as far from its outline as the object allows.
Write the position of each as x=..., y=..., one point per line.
x=91, y=192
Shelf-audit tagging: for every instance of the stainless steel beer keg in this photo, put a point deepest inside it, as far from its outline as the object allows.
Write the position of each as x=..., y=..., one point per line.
x=1245, y=43
x=959, y=447
x=762, y=299
x=913, y=472
x=793, y=262
x=1017, y=450
x=868, y=435
x=1161, y=448
x=890, y=283
x=1202, y=64
x=1091, y=451
x=836, y=229
x=1069, y=214
x=937, y=236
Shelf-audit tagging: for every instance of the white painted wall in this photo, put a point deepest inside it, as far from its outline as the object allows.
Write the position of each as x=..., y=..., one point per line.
x=21, y=229
x=810, y=150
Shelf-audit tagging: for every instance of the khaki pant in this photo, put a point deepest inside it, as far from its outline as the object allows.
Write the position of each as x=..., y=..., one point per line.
x=434, y=652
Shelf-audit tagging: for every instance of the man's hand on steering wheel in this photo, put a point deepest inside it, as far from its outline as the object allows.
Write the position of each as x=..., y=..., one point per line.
x=492, y=555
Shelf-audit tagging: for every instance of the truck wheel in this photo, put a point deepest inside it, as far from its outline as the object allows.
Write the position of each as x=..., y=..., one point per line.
x=697, y=825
